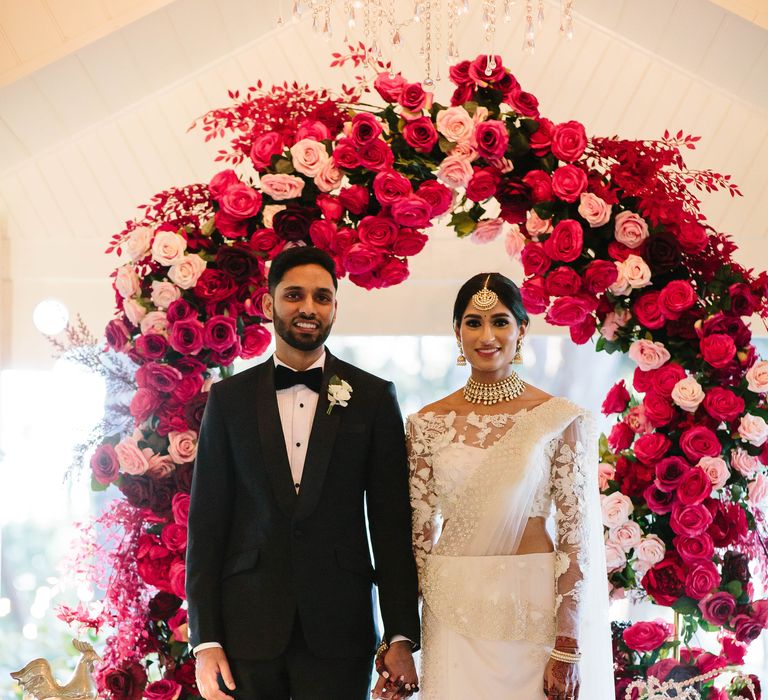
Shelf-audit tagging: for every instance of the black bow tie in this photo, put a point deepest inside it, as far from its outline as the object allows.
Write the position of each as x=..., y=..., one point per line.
x=285, y=378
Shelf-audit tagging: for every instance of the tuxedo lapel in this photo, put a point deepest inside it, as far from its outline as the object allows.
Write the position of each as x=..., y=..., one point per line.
x=272, y=440
x=321, y=440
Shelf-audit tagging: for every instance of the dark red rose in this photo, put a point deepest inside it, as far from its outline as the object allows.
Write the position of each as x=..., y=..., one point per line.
x=742, y=301
x=227, y=355
x=262, y=150
x=136, y=489
x=658, y=501
x=699, y=441
x=691, y=548
x=665, y=378
x=166, y=689
x=664, y=581
x=717, y=608
x=722, y=404
x=237, y=262
x=365, y=128
x=151, y=346
x=104, y=464
x=409, y=242
x=563, y=281
x=160, y=494
x=693, y=237
x=566, y=241
x=658, y=410
x=438, y=196
x=459, y=73
x=507, y=84
x=535, y=260
x=523, y=102
x=492, y=139
x=256, y=339
x=570, y=311
x=117, y=335
x=569, y=141
x=568, y=182
x=718, y=349
x=534, y=294
x=729, y=523
x=185, y=674
x=727, y=324
x=292, y=224
x=223, y=180
x=736, y=567
x=462, y=94
x=652, y=447
x=662, y=253
x=647, y=636
x=617, y=399
x=694, y=487
x=214, y=286
x=193, y=411
x=376, y=155
x=163, y=605
x=633, y=477
x=540, y=184
x=483, y=184
x=182, y=475
x=125, y=684
x=599, y=275
x=413, y=97
x=420, y=134
x=514, y=199
x=354, y=198
x=621, y=437
x=670, y=472
x=747, y=628
x=541, y=139
x=678, y=296
x=187, y=337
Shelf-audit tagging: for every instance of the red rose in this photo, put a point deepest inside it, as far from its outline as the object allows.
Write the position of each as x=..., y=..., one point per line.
x=658, y=410
x=413, y=212
x=702, y=578
x=633, y=477
x=292, y=223
x=690, y=521
x=412, y=97
x=187, y=337
x=189, y=386
x=220, y=333
x=534, y=294
x=566, y=241
x=699, y=441
x=151, y=346
x=125, y=684
x=177, y=576
x=692, y=548
x=692, y=237
x=678, y=296
x=658, y=501
x=569, y=141
x=393, y=272
x=621, y=437
x=665, y=378
x=159, y=377
x=717, y=608
x=104, y=464
x=163, y=605
x=541, y=139
x=266, y=242
x=569, y=311
x=718, y=349
x=185, y=674
x=641, y=380
x=747, y=628
x=389, y=86
x=647, y=636
x=524, y=103
x=582, y=332
x=144, y=403
x=742, y=301
x=482, y=72
x=599, y=275
x=331, y=207
x=617, y=399
x=354, y=198
x=377, y=231
x=240, y=201
x=515, y=200
x=462, y=94
x=361, y=258
x=483, y=184
x=174, y=537
x=670, y=472
x=389, y=186
x=458, y=74
x=664, y=581
x=345, y=154
x=694, y=487
x=420, y=134
x=376, y=155
x=222, y=181
x=647, y=310
x=652, y=447
x=262, y=150
x=540, y=184
x=729, y=523
x=563, y=281
x=365, y=128
x=117, y=335
x=535, y=260
x=163, y=690
x=492, y=139
x=722, y=404
x=323, y=234
x=732, y=650
x=409, y=242
x=214, y=285
x=438, y=196
x=256, y=339
x=568, y=182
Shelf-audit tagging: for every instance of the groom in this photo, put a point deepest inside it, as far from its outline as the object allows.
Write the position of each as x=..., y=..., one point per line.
x=279, y=575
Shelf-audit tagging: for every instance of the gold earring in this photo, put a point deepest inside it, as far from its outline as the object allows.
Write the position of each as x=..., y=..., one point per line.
x=518, y=358
x=460, y=360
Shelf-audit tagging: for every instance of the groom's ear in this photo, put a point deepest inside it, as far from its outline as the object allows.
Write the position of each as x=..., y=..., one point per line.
x=268, y=305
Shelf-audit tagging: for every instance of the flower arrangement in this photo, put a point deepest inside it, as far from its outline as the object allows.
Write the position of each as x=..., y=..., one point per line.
x=611, y=240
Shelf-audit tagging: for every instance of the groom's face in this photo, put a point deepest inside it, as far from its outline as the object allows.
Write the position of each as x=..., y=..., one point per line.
x=303, y=308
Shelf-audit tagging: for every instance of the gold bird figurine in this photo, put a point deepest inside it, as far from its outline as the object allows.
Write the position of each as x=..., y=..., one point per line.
x=37, y=680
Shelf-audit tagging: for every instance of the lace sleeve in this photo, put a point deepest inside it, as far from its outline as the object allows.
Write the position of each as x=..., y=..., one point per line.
x=423, y=498
x=568, y=493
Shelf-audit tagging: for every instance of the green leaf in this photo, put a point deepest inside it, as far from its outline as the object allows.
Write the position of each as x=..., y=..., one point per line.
x=463, y=223
x=97, y=485
x=685, y=605
x=208, y=227
x=734, y=588
x=283, y=166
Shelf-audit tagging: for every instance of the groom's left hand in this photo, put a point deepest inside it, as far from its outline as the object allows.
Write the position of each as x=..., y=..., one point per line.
x=399, y=678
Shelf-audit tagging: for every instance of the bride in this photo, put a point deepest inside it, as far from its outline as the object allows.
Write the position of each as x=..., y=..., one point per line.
x=509, y=610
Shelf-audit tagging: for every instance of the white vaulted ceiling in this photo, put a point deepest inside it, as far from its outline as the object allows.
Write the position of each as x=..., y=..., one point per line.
x=88, y=136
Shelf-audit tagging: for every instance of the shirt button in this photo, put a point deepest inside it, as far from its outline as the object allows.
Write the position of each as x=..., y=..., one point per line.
x=298, y=444
x=301, y=405
x=296, y=486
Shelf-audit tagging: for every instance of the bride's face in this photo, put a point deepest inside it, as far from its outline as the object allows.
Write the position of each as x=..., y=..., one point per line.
x=489, y=338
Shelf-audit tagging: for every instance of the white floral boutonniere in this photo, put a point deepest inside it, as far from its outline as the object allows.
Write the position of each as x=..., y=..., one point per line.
x=339, y=392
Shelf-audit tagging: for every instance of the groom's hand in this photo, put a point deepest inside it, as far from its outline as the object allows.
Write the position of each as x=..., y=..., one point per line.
x=209, y=664
x=398, y=678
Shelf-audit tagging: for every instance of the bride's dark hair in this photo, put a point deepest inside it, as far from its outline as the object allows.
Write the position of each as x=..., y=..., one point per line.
x=505, y=289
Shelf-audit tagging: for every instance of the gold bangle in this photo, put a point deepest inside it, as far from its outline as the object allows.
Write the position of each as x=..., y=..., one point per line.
x=381, y=649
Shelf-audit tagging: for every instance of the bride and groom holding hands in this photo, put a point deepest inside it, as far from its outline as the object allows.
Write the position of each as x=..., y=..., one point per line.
x=488, y=510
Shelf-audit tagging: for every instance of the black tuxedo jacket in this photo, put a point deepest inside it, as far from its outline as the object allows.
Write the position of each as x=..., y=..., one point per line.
x=258, y=554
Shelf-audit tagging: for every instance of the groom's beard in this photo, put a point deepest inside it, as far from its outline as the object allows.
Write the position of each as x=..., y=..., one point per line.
x=301, y=341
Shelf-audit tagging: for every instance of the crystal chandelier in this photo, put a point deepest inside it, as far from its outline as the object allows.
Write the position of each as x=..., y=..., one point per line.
x=378, y=25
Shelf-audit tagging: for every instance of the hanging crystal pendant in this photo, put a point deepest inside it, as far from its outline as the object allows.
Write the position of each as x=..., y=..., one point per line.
x=296, y=10
x=396, y=40
x=540, y=16
x=464, y=7
x=351, y=18
x=417, y=12
x=529, y=43
x=327, y=31
x=316, y=23
x=508, y=5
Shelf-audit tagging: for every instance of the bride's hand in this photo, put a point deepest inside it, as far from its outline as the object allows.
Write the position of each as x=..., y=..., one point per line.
x=561, y=680
x=398, y=678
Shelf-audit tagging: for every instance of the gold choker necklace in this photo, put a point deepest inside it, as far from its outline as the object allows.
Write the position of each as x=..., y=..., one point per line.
x=507, y=389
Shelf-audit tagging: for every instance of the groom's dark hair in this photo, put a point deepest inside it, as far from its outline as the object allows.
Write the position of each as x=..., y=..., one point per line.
x=294, y=257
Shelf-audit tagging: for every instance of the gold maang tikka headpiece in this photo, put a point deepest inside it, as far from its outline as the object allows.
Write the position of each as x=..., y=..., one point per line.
x=485, y=299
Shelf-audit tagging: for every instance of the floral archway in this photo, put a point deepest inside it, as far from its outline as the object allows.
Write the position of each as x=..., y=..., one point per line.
x=611, y=241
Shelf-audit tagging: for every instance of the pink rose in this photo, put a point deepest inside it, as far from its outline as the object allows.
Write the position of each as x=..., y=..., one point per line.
x=637, y=420
x=757, y=377
x=487, y=230
x=614, y=320
x=566, y=241
x=280, y=187
x=636, y=272
x=262, y=150
x=596, y=212
x=455, y=171
x=647, y=636
x=758, y=491
x=241, y=201
x=616, y=509
x=439, y=196
x=568, y=182
x=365, y=128
x=648, y=355
x=514, y=242
x=650, y=550
x=630, y=229
x=491, y=139
x=605, y=473
x=690, y=521
x=615, y=557
x=182, y=446
x=221, y=182
x=377, y=231
x=313, y=129
x=168, y=248
x=455, y=124
x=186, y=272
x=411, y=211
x=718, y=349
x=569, y=141
x=329, y=177
x=132, y=459
x=420, y=134
x=677, y=297
x=137, y=244
x=155, y=322
x=256, y=339
x=389, y=86
x=127, y=282
x=536, y=226
x=688, y=394
x=626, y=535
x=744, y=463
x=716, y=469
x=389, y=186
x=164, y=294
x=753, y=429
x=309, y=156
x=133, y=311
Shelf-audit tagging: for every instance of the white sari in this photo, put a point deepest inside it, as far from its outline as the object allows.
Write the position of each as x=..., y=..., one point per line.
x=490, y=616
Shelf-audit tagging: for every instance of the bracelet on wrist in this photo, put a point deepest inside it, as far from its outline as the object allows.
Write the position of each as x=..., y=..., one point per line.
x=565, y=656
